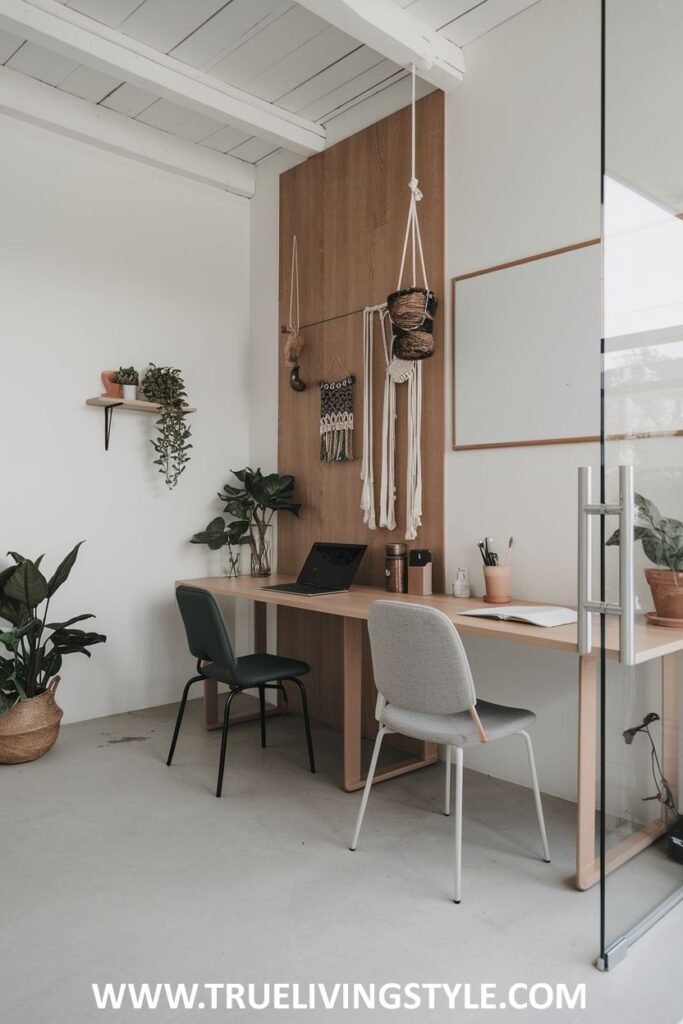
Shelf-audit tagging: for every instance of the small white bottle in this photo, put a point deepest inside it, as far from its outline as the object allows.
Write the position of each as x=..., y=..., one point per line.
x=461, y=586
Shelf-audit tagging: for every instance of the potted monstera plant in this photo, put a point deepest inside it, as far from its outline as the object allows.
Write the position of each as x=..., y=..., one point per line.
x=251, y=508
x=31, y=655
x=662, y=540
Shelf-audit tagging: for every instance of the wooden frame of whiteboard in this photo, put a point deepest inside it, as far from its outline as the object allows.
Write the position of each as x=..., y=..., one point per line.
x=490, y=270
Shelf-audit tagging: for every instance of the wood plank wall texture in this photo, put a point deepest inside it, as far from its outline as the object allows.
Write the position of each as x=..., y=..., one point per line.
x=348, y=208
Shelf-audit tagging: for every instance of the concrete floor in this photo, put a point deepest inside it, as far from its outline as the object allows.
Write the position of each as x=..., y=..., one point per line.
x=118, y=869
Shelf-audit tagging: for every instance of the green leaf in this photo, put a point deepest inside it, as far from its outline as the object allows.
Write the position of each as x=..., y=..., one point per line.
x=647, y=510
x=69, y=622
x=61, y=573
x=27, y=586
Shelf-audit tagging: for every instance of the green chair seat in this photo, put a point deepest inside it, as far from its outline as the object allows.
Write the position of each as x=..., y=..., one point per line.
x=254, y=669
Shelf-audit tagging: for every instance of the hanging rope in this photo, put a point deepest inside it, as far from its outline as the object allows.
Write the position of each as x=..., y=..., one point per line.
x=295, y=342
x=412, y=232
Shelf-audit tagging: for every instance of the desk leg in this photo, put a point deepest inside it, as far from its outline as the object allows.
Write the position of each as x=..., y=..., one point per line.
x=587, y=864
x=353, y=689
x=587, y=771
x=260, y=643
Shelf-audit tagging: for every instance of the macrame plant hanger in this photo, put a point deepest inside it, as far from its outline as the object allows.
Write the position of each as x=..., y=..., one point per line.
x=295, y=342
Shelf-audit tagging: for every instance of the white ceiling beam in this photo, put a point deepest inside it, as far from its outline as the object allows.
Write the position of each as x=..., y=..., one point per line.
x=59, y=28
x=397, y=35
x=29, y=100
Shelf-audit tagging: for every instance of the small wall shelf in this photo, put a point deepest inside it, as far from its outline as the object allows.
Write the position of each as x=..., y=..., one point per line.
x=109, y=403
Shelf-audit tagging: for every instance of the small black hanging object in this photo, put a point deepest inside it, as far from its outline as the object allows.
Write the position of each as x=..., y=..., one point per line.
x=295, y=381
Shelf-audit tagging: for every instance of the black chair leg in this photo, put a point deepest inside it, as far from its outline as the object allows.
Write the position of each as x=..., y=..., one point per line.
x=181, y=712
x=224, y=740
x=307, y=724
x=262, y=703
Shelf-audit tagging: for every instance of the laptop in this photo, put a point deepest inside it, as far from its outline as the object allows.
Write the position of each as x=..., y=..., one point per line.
x=329, y=569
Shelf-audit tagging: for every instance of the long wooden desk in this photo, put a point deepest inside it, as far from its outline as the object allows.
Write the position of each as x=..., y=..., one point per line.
x=352, y=607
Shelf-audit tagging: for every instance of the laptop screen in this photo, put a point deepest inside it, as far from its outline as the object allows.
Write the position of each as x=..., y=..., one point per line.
x=332, y=565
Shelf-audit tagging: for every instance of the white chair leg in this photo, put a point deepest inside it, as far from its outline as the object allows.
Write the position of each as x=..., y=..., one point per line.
x=447, y=799
x=368, y=786
x=537, y=794
x=458, y=822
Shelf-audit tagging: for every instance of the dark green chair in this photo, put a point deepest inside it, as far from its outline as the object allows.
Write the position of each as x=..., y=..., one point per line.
x=210, y=644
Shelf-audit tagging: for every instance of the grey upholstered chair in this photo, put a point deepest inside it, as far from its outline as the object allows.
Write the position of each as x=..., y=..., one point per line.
x=425, y=690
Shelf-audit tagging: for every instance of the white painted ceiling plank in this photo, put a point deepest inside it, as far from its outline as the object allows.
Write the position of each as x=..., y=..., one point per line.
x=253, y=150
x=186, y=124
x=385, y=83
x=330, y=79
x=225, y=139
x=129, y=100
x=305, y=62
x=71, y=34
x=437, y=13
x=165, y=23
x=375, y=75
x=108, y=12
x=482, y=18
x=397, y=35
x=29, y=100
x=228, y=29
x=9, y=44
x=283, y=36
x=44, y=65
x=89, y=84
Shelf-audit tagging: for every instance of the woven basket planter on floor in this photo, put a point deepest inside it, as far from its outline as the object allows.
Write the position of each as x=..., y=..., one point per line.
x=410, y=308
x=30, y=729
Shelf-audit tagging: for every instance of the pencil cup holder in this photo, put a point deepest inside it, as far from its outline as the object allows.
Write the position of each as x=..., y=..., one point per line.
x=497, y=580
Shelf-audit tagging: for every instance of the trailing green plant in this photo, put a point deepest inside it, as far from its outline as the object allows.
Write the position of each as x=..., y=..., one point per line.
x=165, y=386
x=661, y=537
x=35, y=647
x=254, y=503
x=126, y=375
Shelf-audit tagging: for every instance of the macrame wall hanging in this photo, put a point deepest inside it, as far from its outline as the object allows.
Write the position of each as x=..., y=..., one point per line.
x=295, y=342
x=336, y=416
x=410, y=312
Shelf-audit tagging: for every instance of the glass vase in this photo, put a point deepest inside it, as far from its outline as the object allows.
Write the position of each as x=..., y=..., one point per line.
x=231, y=561
x=261, y=546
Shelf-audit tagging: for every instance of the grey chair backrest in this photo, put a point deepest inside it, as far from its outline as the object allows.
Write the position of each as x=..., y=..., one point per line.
x=206, y=633
x=418, y=659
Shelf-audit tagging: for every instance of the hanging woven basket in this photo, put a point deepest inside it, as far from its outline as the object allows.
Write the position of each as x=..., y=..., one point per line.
x=412, y=309
x=413, y=345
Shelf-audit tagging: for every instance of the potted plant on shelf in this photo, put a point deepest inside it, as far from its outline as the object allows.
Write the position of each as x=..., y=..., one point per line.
x=110, y=383
x=662, y=540
x=165, y=386
x=35, y=648
x=127, y=377
x=252, y=507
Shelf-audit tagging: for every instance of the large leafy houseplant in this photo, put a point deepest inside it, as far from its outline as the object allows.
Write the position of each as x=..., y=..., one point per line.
x=662, y=540
x=165, y=386
x=251, y=508
x=33, y=647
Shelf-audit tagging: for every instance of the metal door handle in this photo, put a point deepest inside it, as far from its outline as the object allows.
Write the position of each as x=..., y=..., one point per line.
x=625, y=609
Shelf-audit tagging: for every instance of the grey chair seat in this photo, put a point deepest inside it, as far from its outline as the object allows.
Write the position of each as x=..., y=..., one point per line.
x=253, y=669
x=458, y=730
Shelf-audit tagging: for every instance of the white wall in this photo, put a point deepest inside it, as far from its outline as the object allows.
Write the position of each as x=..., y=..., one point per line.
x=105, y=262
x=523, y=177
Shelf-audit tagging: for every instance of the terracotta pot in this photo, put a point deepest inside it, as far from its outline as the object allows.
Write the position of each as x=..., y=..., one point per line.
x=110, y=388
x=497, y=579
x=31, y=728
x=667, y=592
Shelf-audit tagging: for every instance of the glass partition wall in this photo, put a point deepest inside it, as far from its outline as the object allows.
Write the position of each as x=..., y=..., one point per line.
x=642, y=428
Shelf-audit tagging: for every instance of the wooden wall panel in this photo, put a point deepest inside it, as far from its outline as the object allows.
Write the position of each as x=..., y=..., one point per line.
x=348, y=208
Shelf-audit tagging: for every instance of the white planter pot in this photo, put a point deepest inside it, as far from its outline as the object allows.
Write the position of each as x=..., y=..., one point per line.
x=130, y=391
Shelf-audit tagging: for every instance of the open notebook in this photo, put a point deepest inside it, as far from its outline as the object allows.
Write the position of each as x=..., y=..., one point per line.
x=541, y=615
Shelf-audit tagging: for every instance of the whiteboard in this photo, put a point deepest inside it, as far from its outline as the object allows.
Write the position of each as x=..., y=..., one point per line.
x=526, y=362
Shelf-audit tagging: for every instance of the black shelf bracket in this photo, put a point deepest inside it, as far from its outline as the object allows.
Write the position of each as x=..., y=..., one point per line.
x=108, y=413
